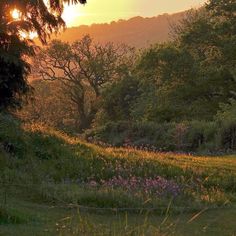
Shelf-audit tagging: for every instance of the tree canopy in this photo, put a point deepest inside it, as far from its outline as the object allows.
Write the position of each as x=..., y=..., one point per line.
x=84, y=68
x=34, y=16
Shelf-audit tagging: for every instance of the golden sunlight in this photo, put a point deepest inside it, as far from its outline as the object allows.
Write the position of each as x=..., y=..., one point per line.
x=71, y=14
x=30, y=35
x=16, y=14
x=105, y=11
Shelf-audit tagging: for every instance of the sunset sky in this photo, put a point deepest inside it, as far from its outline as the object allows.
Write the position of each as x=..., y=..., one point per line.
x=100, y=11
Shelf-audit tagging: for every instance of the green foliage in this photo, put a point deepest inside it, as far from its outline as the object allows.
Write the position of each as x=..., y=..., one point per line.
x=189, y=136
x=178, y=89
x=227, y=112
x=82, y=70
x=117, y=100
x=181, y=81
x=226, y=119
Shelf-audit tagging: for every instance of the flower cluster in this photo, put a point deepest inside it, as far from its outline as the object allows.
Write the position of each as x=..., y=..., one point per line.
x=158, y=186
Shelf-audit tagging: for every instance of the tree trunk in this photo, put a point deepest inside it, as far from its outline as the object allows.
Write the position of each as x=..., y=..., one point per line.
x=84, y=120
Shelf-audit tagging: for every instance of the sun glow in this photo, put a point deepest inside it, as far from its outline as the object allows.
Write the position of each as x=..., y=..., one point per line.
x=105, y=11
x=71, y=14
x=30, y=35
x=16, y=14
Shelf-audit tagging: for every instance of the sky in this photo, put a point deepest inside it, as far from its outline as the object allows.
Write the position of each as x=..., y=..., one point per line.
x=105, y=11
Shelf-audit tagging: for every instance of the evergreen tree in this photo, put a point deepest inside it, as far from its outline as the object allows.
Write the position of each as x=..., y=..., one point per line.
x=34, y=16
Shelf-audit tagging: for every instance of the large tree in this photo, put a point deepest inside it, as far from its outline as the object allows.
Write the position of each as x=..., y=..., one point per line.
x=84, y=68
x=34, y=16
x=197, y=73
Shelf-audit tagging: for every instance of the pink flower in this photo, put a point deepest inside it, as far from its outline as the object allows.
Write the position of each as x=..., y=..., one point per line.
x=93, y=183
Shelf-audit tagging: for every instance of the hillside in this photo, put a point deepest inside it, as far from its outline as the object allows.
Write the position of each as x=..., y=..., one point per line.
x=137, y=31
x=47, y=175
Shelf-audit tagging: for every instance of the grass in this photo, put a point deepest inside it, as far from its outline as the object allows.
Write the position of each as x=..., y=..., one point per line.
x=44, y=219
x=47, y=171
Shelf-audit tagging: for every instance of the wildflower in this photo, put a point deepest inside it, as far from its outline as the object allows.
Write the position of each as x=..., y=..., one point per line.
x=93, y=183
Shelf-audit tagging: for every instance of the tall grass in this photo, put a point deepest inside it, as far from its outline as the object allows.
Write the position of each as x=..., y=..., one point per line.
x=64, y=167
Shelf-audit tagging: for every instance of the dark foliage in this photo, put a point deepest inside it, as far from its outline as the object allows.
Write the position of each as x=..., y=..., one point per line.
x=34, y=16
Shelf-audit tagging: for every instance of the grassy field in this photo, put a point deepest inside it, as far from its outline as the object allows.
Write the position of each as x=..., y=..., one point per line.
x=46, y=219
x=46, y=175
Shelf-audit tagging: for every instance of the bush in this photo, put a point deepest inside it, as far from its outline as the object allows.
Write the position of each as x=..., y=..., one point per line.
x=185, y=136
x=201, y=135
x=123, y=133
x=226, y=119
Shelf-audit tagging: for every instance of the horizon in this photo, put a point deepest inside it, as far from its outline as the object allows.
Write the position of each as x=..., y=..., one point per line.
x=127, y=19
x=105, y=11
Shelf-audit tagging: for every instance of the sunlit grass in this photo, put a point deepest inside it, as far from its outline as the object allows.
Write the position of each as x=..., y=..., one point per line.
x=207, y=179
x=51, y=167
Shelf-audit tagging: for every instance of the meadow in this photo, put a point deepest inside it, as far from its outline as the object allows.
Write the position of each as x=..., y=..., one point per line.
x=100, y=138
x=53, y=183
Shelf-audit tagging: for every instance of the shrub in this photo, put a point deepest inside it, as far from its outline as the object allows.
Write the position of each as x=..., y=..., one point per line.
x=185, y=136
x=201, y=135
x=226, y=119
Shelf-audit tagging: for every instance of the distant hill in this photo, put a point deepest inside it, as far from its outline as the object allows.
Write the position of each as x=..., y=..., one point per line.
x=137, y=31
